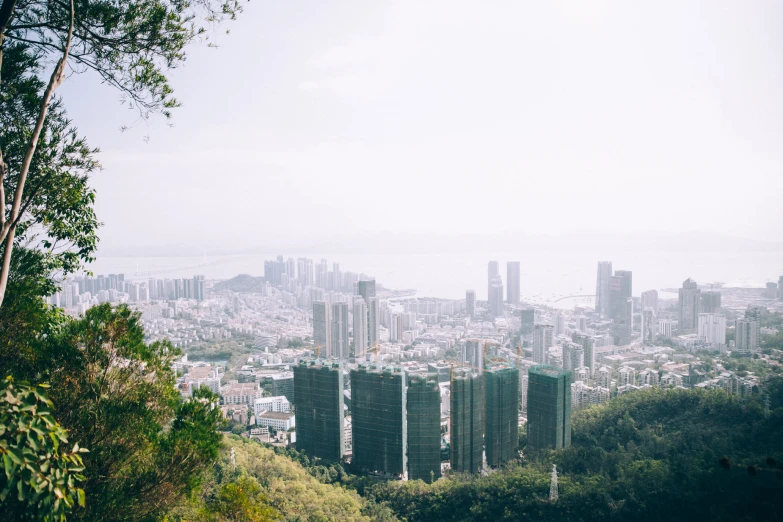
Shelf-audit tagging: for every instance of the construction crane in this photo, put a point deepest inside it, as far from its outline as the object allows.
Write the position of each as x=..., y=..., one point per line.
x=318, y=351
x=374, y=348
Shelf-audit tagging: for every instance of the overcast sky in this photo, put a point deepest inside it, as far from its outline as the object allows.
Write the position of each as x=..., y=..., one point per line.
x=315, y=119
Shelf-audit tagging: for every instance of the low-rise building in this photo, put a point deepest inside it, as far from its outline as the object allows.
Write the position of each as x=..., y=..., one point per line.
x=279, y=421
x=241, y=393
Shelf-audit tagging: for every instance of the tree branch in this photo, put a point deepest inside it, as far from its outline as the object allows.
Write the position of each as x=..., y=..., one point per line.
x=7, y=232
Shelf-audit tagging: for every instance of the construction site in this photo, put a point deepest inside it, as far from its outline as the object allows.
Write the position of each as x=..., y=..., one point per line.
x=501, y=439
x=318, y=392
x=378, y=401
x=466, y=424
x=549, y=407
x=423, y=427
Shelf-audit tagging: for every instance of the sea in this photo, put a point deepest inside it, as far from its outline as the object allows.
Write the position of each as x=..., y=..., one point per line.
x=559, y=279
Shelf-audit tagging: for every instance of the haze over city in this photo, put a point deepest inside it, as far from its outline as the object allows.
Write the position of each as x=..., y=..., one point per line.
x=403, y=261
x=371, y=122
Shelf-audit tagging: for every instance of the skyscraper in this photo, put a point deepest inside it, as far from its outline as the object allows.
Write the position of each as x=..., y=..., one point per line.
x=549, y=407
x=587, y=343
x=527, y=320
x=602, y=288
x=466, y=423
x=747, y=332
x=620, y=289
x=622, y=325
x=496, y=296
x=359, y=327
x=380, y=440
x=512, y=282
x=366, y=289
x=339, y=331
x=492, y=271
x=689, y=305
x=470, y=303
x=573, y=356
x=542, y=341
x=423, y=401
x=501, y=438
x=322, y=327
x=373, y=322
x=650, y=300
x=780, y=288
x=649, y=320
x=710, y=302
x=712, y=329
x=318, y=404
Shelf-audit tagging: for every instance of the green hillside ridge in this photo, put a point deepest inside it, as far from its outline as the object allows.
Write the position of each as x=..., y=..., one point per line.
x=648, y=455
x=285, y=490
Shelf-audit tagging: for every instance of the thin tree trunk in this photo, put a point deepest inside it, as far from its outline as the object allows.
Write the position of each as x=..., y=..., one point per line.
x=9, y=227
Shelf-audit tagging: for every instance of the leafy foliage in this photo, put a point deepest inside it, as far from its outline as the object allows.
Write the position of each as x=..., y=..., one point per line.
x=41, y=469
x=285, y=490
x=129, y=43
x=648, y=455
x=115, y=394
x=58, y=216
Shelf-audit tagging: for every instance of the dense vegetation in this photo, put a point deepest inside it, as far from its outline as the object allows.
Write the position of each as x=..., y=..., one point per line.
x=261, y=484
x=649, y=455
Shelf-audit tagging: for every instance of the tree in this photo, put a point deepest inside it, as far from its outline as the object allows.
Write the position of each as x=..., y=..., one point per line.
x=41, y=469
x=116, y=395
x=130, y=44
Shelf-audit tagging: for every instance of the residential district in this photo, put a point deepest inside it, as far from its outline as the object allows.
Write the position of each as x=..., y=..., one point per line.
x=339, y=367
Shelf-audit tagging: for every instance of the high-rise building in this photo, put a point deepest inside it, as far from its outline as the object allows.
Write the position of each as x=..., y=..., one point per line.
x=560, y=324
x=501, y=438
x=690, y=300
x=650, y=300
x=648, y=326
x=379, y=423
x=304, y=271
x=359, y=327
x=366, y=289
x=321, y=274
x=470, y=303
x=473, y=354
x=468, y=393
x=620, y=290
x=709, y=302
x=423, y=427
x=772, y=290
x=747, y=332
x=373, y=322
x=318, y=394
x=527, y=320
x=587, y=343
x=548, y=407
x=665, y=328
x=602, y=288
x=573, y=356
x=322, y=327
x=542, y=341
x=395, y=328
x=622, y=325
x=492, y=271
x=780, y=288
x=712, y=329
x=512, y=282
x=496, y=296
x=340, y=343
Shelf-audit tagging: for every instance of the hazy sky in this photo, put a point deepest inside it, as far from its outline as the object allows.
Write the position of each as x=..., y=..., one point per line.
x=318, y=118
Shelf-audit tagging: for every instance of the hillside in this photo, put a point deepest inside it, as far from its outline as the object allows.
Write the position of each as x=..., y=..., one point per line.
x=267, y=486
x=241, y=283
x=648, y=455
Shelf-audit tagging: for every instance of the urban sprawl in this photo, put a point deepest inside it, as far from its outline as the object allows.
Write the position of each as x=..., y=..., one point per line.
x=403, y=387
